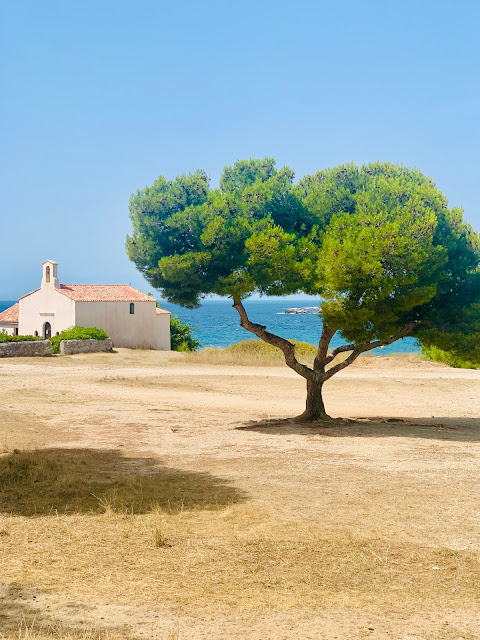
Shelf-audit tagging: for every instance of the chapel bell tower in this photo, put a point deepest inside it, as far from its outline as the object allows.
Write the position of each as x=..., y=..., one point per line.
x=50, y=278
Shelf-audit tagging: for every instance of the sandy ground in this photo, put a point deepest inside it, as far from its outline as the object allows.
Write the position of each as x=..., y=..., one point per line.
x=370, y=529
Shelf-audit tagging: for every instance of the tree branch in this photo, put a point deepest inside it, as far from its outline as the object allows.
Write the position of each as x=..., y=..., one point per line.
x=284, y=345
x=368, y=346
x=321, y=357
x=358, y=349
x=342, y=365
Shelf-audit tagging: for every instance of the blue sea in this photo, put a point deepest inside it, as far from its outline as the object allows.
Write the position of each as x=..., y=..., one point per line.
x=217, y=324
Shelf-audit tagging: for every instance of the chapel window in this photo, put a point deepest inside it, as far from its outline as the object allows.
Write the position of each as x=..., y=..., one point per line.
x=16, y=331
x=132, y=308
x=47, y=274
x=36, y=334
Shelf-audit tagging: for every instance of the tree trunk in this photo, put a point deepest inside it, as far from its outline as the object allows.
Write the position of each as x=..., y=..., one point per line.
x=315, y=409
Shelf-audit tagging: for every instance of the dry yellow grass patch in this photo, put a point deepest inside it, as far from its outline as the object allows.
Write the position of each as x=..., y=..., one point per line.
x=250, y=353
x=218, y=561
x=214, y=563
x=39, y=631
x=46, y=481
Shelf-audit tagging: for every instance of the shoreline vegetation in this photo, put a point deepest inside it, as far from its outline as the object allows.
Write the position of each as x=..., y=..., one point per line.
x=255, y=352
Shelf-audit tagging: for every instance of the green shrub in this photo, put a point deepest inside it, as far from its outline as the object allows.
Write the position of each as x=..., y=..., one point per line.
x=181, y=335
x=438, y=355
x=77, y=333
x=183, y=347
x=6, y=338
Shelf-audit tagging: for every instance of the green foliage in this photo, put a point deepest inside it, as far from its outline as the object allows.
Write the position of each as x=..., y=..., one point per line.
x=6, y=338
x=438, y=355
x=183, y=347
x=152, y=210
x=378, y=243
x=181, y=335
x=77, y=333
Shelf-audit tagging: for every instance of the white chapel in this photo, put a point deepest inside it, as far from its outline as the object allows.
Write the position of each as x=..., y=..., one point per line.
x=128, y=316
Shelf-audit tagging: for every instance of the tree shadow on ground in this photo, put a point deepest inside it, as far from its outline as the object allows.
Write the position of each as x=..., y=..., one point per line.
x=50, y=481
x=27, y=613
x=454, y=429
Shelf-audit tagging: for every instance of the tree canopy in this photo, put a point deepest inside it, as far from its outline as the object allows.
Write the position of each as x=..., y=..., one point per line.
x=378, y=244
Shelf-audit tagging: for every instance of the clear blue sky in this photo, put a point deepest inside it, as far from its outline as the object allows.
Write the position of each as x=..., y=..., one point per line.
x=100, y=97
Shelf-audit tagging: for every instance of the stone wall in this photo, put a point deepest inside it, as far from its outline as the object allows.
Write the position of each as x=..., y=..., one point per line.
x=25, y=349
x=68, y=347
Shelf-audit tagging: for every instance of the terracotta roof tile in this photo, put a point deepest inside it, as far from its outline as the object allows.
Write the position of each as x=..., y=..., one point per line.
x=103, y=293
x=161, y=312
x=10, y=315
x=28, y=294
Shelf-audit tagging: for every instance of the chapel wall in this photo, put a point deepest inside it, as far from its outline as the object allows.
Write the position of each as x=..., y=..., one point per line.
x=45, y=305
x=163, y=332
x=136, y=331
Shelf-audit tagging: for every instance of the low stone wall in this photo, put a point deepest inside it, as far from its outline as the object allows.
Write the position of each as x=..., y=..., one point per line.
x=68, y=347
x=25, y=349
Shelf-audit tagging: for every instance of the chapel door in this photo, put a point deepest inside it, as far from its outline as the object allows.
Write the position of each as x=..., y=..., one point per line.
x=47, y=330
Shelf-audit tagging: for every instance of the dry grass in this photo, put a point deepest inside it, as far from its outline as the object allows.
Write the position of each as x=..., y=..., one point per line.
x=46, y=481
x=257, y=353
x=250, y=353
x=39, y=631
x=221, y=562
x=135, y=518
x=236, y=557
